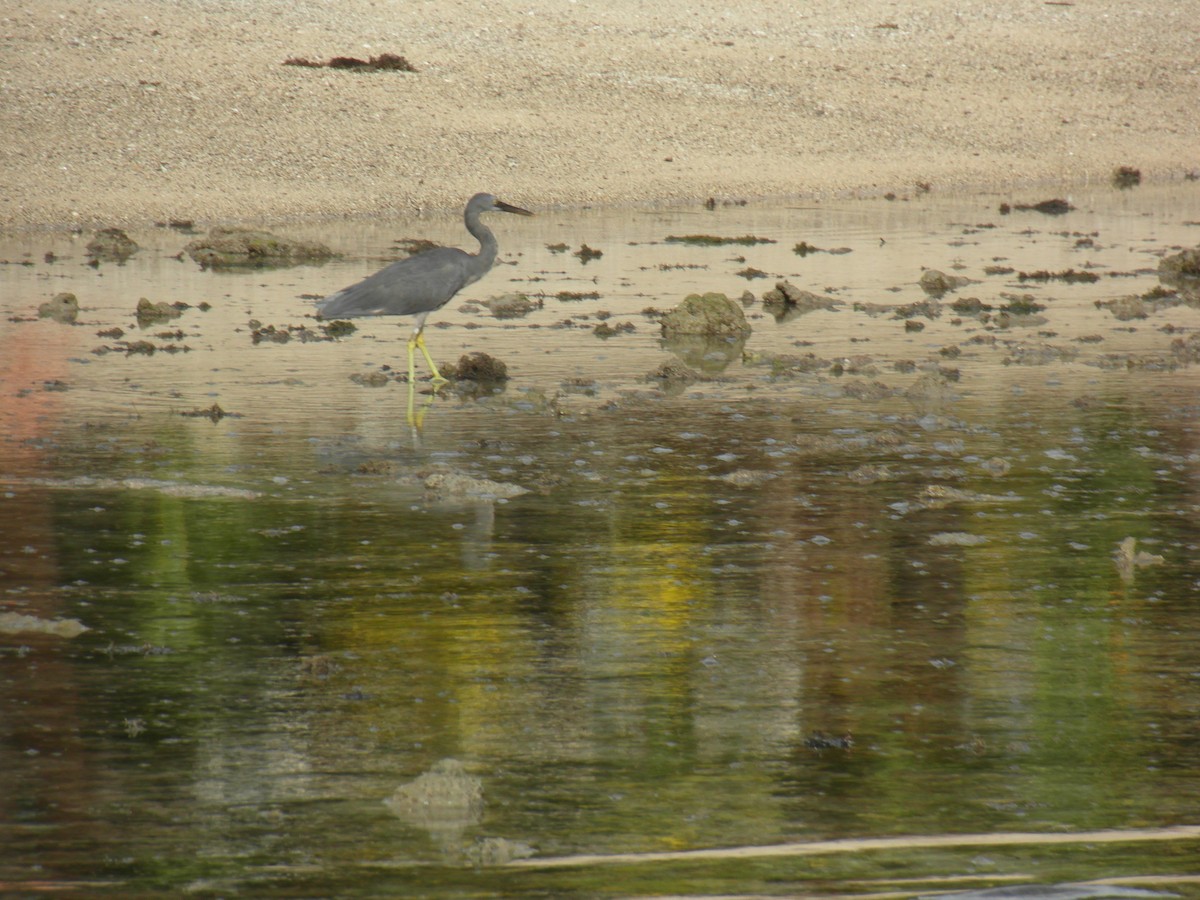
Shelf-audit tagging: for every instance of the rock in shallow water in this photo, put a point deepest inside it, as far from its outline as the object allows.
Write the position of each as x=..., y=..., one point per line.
x=1185, y=264
x=707, y=314
x=63, y=308
x=446, y=793
x=456, y=484
x=477, y=366
x=231, y=248
x=111, y=244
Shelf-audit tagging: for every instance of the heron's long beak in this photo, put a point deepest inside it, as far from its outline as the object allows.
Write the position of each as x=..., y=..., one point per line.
x=508, y=207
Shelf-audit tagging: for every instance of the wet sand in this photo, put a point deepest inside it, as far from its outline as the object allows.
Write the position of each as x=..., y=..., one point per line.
x=156, y=110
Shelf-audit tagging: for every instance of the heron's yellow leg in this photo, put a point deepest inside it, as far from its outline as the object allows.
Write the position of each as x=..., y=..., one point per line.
x=412, y=365
x=418, y=340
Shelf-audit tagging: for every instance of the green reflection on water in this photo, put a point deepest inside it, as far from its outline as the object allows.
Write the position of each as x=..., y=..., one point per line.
x=640, y=655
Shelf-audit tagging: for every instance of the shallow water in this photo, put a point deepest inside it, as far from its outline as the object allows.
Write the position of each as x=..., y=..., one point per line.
x=809, y=598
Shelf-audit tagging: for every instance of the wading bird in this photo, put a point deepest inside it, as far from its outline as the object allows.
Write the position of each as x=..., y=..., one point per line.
x=423, y=283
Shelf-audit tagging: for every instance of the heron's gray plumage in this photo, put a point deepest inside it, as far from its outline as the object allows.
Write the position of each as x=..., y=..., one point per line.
x=408, y=287
x=423, y=283
x=427, y=281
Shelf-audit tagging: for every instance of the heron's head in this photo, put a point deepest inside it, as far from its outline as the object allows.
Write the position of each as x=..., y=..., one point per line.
x=491, y=203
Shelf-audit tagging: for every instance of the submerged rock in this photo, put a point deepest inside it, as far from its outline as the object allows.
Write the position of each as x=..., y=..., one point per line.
x=786, y=364
x=996, y=466
x=445, y=795
x=929, y=308
x=19, y=623
x=373, y=378
x=673, y=374
x=497, y=852
x=1054, y=207
x=970, y=306
x=931, y=392
x=1037, y=353
x=1187, y=350
x=233, y=248
x=64, y=307
x=938, y=283
x=820, y=741
x=937, y=496
x=604, y=330
x=788, y=301
x=871, y=473
x=746, y=477
x=1128, y=558
x=1178, y=266
x=957, y=539
x=155, y=313
x=510, y=306
x=456, y=484
x=706, y=314
x=213, y=413
x=1125, y=308
x=112, y=245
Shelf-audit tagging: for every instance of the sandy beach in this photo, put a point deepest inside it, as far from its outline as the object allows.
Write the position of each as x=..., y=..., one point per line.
x=150, y=110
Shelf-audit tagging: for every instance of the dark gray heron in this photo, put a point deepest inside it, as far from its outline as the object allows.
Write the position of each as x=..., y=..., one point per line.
x=423, y=283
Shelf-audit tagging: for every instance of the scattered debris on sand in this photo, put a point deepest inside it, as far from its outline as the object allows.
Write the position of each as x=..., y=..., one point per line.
x=712, y=240
x=384, y=62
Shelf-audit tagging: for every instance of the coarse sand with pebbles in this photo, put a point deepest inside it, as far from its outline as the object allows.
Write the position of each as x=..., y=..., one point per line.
x=127, y=113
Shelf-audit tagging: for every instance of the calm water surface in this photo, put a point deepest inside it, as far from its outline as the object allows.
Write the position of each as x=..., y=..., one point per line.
x=861, y=581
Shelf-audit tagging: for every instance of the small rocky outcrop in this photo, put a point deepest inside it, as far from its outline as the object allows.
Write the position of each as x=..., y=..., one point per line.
x=673, y=374
x=445, y=795
x=111, y=245
x=249, y=248
x=787, y=301
x=510, y=306
x=459, y=486
x=937, y=283
x=710, y=314
x=149, y=313
x=477, y=366
x=64, y=307
x=1180, y=266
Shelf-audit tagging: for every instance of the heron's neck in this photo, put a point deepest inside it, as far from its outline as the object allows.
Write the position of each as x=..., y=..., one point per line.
x=487, y=241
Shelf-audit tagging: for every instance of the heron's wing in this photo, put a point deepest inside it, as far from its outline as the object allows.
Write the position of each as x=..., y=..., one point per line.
x=418, y=284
